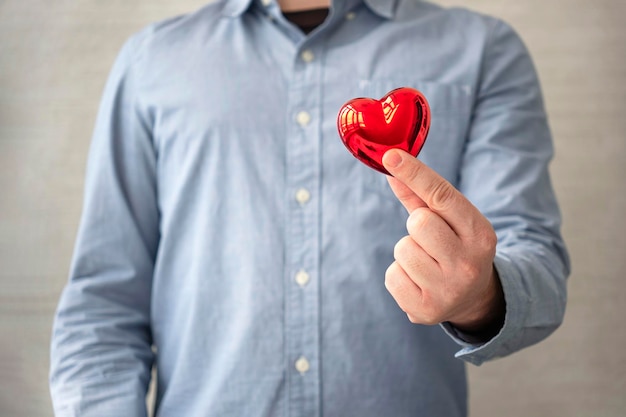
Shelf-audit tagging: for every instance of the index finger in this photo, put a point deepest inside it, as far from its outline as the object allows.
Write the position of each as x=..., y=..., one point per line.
x=407, y=197
x=438, y=194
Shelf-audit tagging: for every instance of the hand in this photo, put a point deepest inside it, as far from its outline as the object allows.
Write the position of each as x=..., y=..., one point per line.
x=443, y=270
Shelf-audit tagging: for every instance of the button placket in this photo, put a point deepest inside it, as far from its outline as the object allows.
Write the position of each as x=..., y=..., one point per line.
x=302, y=258
x=303, y=118
x=307, y=56
x=302, y=365
x=303, y=196
x=302, y=278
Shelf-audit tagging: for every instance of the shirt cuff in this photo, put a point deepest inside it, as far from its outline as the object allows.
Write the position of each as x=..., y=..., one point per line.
x=475, y=351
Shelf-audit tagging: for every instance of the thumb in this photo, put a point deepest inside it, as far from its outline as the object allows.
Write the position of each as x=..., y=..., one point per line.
x=433, y=190
x=403, y=192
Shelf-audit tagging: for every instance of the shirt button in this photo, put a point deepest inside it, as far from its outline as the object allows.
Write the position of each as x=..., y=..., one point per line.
x=307, y=55
x=350, y=15
x=303, y=195
x=303, y=118
x=302, y=278
x=302, y=365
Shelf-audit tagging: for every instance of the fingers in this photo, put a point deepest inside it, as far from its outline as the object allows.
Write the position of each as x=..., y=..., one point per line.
x=437, y=193
x=407, y=197
x=432, y=234
x=414, y=260
x=411, y=298
x=402, y=288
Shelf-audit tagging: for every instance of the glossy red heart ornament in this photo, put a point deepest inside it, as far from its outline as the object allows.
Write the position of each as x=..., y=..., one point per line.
x=369, y=127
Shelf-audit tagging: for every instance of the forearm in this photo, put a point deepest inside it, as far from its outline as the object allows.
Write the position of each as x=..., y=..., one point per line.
x=101, y=354
x=535, y=294
x=101, y=350
x=505, y=174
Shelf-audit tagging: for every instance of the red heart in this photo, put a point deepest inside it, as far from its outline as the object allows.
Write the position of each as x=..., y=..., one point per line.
x=369, y=127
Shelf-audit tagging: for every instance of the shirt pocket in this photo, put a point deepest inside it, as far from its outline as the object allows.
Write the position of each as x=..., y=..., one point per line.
x=451, y=108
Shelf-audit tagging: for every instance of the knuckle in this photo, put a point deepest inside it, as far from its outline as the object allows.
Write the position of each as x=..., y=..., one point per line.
x=431, y=322
x=418, y=220
x=413, y=172
x=413, y=319
x=430, y=318
x=488, y=240
x=401, y=247
x=392, y=282
x=469, y=270
x=441, y=194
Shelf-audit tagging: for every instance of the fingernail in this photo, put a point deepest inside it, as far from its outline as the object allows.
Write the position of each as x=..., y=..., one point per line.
x=392, y=159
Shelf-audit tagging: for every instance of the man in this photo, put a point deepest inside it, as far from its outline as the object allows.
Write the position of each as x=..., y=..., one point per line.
x=229, y=239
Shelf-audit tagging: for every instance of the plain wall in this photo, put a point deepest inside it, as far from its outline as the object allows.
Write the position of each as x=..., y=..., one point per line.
x=55, y=57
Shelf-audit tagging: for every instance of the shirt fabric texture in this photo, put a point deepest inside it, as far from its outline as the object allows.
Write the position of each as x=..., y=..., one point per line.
x=229, y=239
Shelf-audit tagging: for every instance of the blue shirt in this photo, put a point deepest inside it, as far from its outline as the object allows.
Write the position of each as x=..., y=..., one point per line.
x=230, y=239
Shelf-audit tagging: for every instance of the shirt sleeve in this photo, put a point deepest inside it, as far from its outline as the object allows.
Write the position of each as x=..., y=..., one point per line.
x=504, y=173
x=101, y=350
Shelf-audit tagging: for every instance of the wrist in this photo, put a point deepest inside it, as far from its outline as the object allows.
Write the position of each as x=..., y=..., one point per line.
x=488, y=318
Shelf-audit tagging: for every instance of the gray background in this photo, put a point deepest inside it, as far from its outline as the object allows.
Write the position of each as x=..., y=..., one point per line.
x=54, y=59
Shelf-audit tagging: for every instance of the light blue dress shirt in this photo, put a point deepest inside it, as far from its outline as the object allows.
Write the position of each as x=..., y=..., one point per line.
x=230, y=239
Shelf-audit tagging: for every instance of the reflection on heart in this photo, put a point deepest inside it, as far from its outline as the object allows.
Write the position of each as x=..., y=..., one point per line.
x=369, y=127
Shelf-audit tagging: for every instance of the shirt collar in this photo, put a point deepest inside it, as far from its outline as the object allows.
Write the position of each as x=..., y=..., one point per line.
x=235, y=8
x=383, y=8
